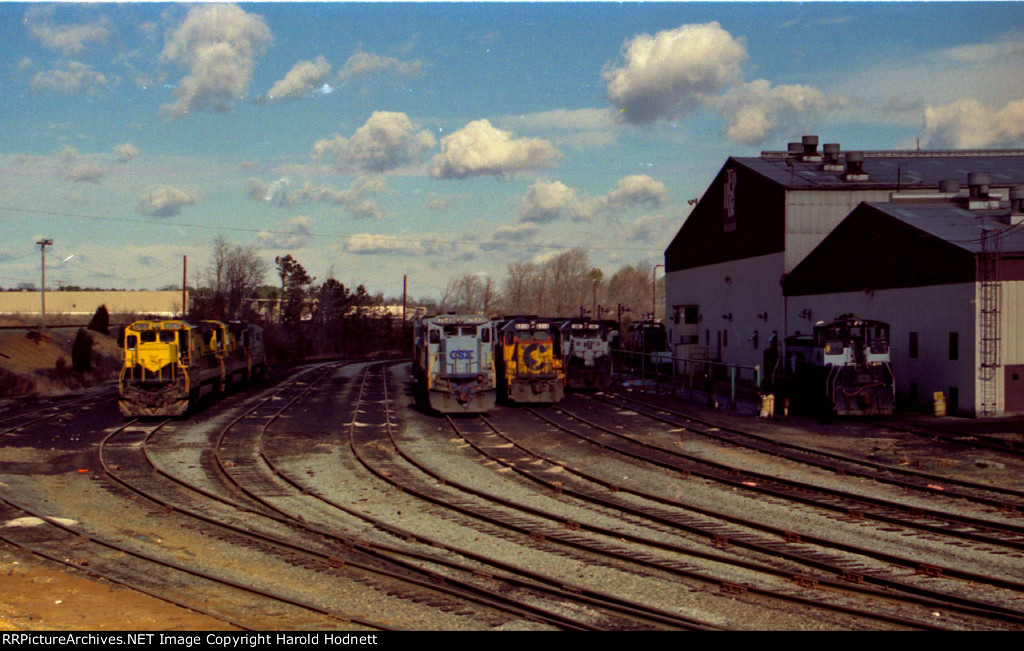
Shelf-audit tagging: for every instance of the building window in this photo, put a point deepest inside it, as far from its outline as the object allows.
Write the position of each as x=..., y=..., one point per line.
x=913, y=345
x=954, y=346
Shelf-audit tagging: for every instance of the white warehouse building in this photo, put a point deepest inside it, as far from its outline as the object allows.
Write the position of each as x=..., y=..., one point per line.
x=749, y=263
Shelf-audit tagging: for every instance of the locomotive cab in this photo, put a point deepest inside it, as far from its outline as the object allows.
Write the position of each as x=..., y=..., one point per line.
x=842, y=368
x=454, y=363
x=530, y=361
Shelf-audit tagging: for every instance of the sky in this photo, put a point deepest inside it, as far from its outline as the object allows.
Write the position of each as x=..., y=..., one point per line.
x=376, y=141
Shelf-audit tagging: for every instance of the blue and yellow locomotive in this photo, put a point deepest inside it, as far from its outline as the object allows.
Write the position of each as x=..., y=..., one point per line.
x=529, y=361
x=453, y=363
x=170, y=364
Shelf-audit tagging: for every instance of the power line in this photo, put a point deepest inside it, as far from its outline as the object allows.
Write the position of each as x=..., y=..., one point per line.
x=268, y=231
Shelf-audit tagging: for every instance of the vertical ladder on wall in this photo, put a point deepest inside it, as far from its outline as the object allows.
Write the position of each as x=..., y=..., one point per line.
x=989, y=304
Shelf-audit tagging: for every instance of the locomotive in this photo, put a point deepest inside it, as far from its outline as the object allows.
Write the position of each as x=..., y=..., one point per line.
x=586, y=352
x=170, y=364
x=453, y=363
x=842, y=368
x=529, y=362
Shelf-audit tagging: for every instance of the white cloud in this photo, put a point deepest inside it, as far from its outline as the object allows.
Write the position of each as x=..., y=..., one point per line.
x=73, y=78
x=516, y=232
x=969, y=124
x=165, y=201
x=292, y=234
x=580, y=128
x=897, y=91
x=66, y=39
x=358, y=200
x=369, y=244
x=481, y=149
x=301, y=79
x=126, y=152
x=387, y=141
x=638, y=190
x=87, y=172
x=757, y=111
x=546, y=201
x=673, y=72
x=362, y=64
x=219, y=44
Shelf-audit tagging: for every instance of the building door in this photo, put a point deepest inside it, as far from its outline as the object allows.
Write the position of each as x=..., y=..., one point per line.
x=1014, y=387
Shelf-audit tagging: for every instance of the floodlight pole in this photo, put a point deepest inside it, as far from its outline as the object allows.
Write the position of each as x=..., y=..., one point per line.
x=42, y=252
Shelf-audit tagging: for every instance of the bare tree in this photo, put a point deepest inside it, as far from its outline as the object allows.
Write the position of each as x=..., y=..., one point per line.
x=232, y=278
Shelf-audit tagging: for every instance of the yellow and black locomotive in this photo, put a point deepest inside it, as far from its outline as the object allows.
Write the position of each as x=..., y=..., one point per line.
x=530, y=367
x=170, y=364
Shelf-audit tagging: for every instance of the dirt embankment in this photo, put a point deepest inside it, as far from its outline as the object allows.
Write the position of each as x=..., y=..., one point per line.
x=39, y=362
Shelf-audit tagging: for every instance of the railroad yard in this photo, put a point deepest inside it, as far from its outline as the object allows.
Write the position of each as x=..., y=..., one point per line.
x=322, y=497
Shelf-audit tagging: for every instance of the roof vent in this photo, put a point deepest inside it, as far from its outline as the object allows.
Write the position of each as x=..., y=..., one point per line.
x=978, y=183
x=809, y=144
x=949, y=186
x=794, y=150
x=832, y=162
x=1017, y=205
x=855, y=166
x=978, y=192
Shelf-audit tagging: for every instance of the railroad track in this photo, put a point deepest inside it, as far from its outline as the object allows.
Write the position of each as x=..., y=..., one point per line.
x=548, y=527
x=723, y=530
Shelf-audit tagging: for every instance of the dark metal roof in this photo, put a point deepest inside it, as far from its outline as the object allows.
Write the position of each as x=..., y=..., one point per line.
x=956, y=225
x=895, y=169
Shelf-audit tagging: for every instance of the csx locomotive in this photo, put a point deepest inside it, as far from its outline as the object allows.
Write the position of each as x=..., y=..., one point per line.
x=170, y=364
x=453, y=363
x=529, y=362
x=842, y=368
x=586, y=352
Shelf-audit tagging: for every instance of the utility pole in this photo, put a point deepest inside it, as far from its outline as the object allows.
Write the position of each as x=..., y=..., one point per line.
x=184, y=287
x=42, y=252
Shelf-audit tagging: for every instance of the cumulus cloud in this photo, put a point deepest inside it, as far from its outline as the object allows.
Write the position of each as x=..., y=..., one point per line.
x=219, y=44
x=369, y=244
x=546, y=201
x=66, y=39
x=757, y=111
x=165, y=201
x=275, y=192
x=72, y=78
x=89, y=172
x=673, y=72
x=969, y=124
x=358, y=200
x=362, y=64
x=292, y=234
x=480, y=149
x=638, y=190
x=387, y=141
x=515, y=232
x=300, y=80
x=126, y=152
x=579, y=128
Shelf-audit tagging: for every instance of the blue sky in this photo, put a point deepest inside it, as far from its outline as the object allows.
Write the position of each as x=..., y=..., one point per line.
x=376, y=140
